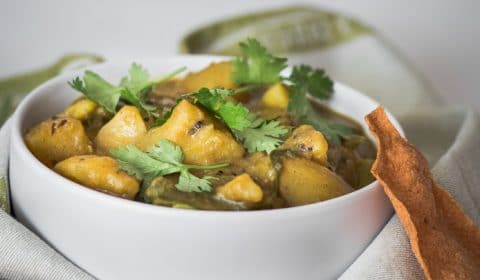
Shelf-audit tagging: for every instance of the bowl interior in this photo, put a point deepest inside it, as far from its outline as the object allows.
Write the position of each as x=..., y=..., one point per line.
x=55, y=95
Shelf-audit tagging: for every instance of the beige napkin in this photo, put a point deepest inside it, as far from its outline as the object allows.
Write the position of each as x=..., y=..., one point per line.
x=23, y=255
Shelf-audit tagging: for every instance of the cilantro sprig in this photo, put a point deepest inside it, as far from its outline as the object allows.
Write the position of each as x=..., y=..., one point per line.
x=256, y=65
x=133, y=88
x=305, y=81
x=234, y=115
x=257, y=135
x=262, y=135
x=163, y=159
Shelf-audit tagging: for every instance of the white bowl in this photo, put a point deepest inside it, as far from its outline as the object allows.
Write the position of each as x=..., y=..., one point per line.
x=113, y=238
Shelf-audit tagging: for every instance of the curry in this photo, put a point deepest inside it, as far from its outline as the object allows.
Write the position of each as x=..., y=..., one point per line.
x=236, y=135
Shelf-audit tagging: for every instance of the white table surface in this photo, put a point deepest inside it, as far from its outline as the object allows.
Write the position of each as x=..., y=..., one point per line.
x=440, y=37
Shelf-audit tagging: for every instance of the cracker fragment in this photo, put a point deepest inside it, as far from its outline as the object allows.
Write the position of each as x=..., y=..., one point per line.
x=445, y=241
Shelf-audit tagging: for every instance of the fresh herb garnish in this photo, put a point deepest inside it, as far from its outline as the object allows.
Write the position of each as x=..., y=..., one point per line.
x=256, y=65
x=133, y=88
x=312, y=81
x=98, y=90
x=160, y=121
x=304, y=81
x=163, y=159
x=262, y=135
x=257, y=135
x=234, y=115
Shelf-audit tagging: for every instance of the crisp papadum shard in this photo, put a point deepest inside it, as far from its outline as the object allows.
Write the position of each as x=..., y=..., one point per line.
x=445, y=241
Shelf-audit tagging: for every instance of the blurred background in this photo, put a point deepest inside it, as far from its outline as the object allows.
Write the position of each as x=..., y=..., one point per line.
x=439, y=37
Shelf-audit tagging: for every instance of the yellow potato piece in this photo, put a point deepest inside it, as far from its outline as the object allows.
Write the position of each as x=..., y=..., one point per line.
x=303, y=182
x=58, y=138
x=215, y=75
x=308, y=142
x=203, y=140
x=99, y=173
x=81, y=109
x=126, y=127
x=276, y=96
x=241, y=189
x=259, y=165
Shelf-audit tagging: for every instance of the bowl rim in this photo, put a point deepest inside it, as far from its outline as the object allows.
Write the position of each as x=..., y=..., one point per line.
x=17, y=142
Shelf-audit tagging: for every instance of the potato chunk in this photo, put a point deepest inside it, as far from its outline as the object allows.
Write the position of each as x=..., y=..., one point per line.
x=303, y=182
x=81, y=109
x=215, y=75
x=308, y=142
x=241, y=189
x=58, y=138
x=126, y=127
x=260, y=166
x=99, y=173
x=276, y=96
x=203, y=140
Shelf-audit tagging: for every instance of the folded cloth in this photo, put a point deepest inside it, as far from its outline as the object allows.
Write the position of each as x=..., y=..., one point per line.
x=26, y=256
x=23, y=255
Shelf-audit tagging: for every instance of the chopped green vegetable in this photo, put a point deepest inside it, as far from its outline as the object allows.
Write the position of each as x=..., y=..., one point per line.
x=257, y=135
x=256, y=65
x=163, y=159
x=133, y=88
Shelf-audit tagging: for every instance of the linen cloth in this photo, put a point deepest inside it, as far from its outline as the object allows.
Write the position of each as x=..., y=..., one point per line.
x=23, y=255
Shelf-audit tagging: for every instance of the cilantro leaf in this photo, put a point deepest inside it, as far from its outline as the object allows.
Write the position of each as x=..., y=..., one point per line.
x=98, y=90
x=137, y=78
x=166, y=151
x=139, y=164
x=257, y=135
x=235, y=116
x=305, y=81
x=163, y=159
x=136, y=86
x=77, y=84
x=166, y=115
x=136, y=100
x=187, y=182
x=257, y=65
x=262, y=135
x=333, y=131
x=132, y=88
x=312, y=81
